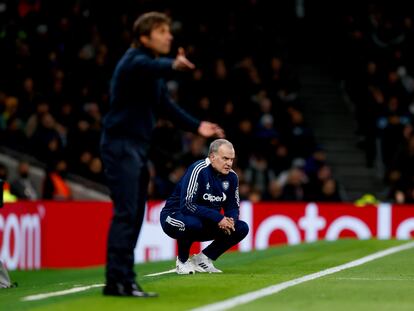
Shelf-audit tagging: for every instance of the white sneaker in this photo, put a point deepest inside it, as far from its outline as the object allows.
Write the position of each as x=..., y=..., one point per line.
x=202, y=263
x=184, y=268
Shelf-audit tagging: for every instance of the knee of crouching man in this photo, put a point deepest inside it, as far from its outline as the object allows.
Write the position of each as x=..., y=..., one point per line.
x=242, y=229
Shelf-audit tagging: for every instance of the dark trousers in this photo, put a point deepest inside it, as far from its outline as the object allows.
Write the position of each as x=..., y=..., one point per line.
x=187, y=229
x=125, y=165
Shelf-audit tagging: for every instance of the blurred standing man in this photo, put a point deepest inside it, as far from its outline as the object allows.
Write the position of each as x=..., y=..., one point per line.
x=193, y=212
x=138, y=94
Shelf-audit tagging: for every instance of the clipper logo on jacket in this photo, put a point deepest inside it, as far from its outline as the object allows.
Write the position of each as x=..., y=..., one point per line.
x=212, y=198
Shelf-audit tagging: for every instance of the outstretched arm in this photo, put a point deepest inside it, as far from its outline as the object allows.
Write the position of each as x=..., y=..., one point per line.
x=204, y=128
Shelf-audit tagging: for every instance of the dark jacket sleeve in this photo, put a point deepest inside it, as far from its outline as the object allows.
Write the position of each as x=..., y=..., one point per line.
x=177, y=114
x=161, y=68
x=189, y=193
x=232, y=208
x=154, y=68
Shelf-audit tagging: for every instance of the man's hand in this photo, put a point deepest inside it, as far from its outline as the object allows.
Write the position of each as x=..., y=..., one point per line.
x=208, y=129
x=227, y=225
x=181, y=62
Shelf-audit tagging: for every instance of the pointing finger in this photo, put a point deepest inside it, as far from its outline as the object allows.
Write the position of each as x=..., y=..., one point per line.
x=181, y=51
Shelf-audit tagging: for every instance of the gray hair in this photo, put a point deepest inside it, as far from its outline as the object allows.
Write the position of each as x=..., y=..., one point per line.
x=215, y=145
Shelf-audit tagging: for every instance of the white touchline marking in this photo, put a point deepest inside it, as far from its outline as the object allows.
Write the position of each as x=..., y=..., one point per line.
x=160, y=273
x=77, y=289
x=61, y=292
x=248, y=297
x=375, y=279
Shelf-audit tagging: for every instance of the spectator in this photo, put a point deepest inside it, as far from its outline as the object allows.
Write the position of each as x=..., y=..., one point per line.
x=23, y=187
x=196, y=152
x=294, y=187
x=300, y=136
x=7, y=195
x=330, y=191
x=258, y=174
x=55, y=186
x=42, y=108
x=274, y=191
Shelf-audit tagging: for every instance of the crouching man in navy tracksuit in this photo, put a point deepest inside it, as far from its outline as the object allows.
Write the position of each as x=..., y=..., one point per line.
x=192, y=213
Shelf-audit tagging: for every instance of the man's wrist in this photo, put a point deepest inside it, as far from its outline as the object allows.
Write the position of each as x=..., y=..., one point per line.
x=220, y=219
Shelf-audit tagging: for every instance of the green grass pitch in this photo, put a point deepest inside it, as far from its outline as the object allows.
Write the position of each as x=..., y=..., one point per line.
x=383, y=284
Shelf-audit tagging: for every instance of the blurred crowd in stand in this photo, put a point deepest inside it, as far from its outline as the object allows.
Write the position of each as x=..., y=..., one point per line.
x=57, y=58
x=378, y=69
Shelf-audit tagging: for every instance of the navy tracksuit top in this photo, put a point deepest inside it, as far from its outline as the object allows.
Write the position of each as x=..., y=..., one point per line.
x=203, y=192
x=138, y=93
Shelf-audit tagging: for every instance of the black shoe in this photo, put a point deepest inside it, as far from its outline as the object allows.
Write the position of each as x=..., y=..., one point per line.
x=126, y=290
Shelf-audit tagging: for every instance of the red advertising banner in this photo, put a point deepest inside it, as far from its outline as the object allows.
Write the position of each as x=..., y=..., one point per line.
x=36, y=235
x=52, y=234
